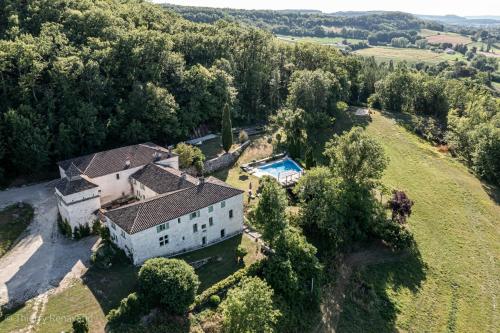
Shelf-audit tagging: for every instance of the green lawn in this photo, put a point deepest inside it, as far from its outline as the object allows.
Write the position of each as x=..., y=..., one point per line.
x=456, y=224
x=14, y=219
x=411, y=56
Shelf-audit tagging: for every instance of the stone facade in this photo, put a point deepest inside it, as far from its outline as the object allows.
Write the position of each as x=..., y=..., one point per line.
x=183, y=234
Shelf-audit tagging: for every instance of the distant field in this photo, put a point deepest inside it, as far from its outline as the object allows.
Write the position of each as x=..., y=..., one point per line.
x=319, y=40
x=448, y=38
x=383, y=53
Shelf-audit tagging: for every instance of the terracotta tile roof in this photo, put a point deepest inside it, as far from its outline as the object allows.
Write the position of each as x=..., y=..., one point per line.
x=67, y=187
x=163, y=179
x=143, y=215
x=114, y=160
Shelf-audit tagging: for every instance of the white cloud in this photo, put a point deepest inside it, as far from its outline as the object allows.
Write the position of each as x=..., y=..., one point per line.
x=433, y=7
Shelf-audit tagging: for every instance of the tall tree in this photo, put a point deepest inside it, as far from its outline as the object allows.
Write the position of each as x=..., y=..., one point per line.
x=249, y=308
x=270, y=211
x=227, y=129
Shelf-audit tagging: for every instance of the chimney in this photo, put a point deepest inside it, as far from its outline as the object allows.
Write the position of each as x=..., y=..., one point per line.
x=127, y=163
x=202, y=180
x=170, y=148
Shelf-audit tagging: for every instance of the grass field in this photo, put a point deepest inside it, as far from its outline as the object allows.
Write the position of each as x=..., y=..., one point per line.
x=319, y=40
x=384, y=54
x=14, y=220
x=456, y=223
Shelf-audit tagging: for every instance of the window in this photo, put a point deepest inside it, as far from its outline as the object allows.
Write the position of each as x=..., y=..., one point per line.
x=113, y=225
x=204, y=227
x=194, y=215
x=210, y=221
x=230, y=213
x=117, y=176
x=210, y=209
x=179, y=220
x=142, y=186
x=222, y=233
x=195, y=227
x=135, y=181
x=123, y=234
x=223, y=204
x=163, y=240
x=162, y=227
x=204, y=240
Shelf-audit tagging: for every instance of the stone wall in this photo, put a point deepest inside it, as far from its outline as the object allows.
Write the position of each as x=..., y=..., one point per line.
x=220, y=162
x=226, y=160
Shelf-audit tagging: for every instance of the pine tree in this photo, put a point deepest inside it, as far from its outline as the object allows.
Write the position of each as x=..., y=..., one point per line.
x=227, y=130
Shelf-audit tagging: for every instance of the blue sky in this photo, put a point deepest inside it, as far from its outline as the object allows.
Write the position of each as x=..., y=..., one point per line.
x=432, y=7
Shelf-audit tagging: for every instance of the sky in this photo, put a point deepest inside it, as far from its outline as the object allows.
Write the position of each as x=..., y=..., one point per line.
x=429, y=7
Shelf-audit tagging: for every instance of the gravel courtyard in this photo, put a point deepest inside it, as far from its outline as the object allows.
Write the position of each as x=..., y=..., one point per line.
x=42, y=258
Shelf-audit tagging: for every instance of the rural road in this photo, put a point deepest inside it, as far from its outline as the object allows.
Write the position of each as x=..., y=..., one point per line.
x=42, y=257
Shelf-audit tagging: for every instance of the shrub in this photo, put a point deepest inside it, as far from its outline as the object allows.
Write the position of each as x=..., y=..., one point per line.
x=223, y=286
x=105, y=234
x=83, y=230
x=214, y=300
x=241, y=252
x=243, y=136
x=96, y=227
x=189, y=156
x=63, y=226
x=397, y=236
x=168, y=283
x=108, y=254
x=80, y=324
x=129, y=310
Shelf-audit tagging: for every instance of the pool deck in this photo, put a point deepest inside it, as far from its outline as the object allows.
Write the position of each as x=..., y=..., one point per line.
x=286, y=179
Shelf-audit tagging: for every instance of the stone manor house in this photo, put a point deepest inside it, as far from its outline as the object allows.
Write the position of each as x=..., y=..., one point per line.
x=172, y=212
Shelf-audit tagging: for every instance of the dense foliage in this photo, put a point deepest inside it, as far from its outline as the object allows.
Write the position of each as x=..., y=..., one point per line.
x=309, y=22
x=249, y=308
x=168, y=283
x=81, y=76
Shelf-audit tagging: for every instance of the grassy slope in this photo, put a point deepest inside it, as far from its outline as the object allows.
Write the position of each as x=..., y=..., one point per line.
x=457, y=228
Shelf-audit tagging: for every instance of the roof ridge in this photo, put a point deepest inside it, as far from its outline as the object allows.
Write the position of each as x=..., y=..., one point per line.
x=90, y=162
x=159, y=196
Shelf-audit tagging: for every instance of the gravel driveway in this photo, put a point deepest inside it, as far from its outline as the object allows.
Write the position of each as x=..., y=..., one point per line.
x=42, y=258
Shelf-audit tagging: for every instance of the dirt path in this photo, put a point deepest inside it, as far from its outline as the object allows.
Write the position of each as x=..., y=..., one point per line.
x=331, y=307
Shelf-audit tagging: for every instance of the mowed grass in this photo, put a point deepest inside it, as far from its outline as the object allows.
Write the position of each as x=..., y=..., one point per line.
x=456, y=224
x=14, y=219
x=411, y=56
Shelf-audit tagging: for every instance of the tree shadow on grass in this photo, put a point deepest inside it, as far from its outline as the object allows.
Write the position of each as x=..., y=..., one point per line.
x=109, y=286
x=493, y=192
x=368, y=306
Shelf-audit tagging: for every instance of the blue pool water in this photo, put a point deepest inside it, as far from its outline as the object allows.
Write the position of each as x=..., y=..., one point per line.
x=274, y=169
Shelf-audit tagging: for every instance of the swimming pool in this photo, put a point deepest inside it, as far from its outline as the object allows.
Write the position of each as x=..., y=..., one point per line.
x=280, y=168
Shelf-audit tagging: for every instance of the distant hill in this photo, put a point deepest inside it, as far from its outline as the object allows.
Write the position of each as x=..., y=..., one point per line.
x=464, y=21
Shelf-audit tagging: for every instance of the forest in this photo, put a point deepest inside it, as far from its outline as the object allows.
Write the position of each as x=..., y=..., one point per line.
x=81, y=76
x=313, y=23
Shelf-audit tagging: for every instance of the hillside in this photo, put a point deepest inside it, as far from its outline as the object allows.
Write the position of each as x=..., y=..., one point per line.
x=456, y=223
